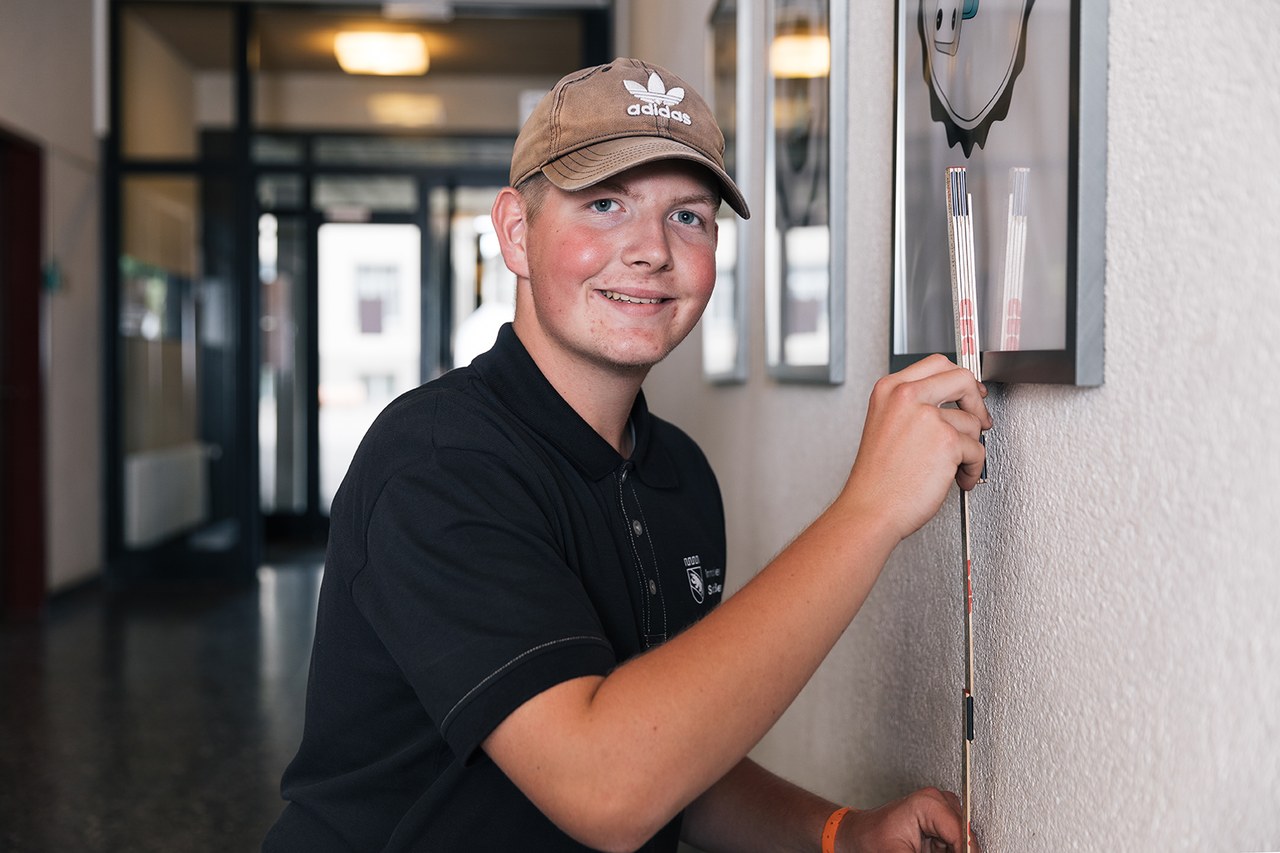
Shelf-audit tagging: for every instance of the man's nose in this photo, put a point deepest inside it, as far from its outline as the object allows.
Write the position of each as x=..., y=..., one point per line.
x=648, y=244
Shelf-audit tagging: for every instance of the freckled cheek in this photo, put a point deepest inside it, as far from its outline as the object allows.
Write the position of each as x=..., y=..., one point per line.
x=579, y=255
x=703, y=276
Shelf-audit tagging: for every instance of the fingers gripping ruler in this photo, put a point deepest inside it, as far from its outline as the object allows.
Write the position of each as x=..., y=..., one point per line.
x=964, y=300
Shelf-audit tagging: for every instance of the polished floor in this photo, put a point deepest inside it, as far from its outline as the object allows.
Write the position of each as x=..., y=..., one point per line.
x=154, y=718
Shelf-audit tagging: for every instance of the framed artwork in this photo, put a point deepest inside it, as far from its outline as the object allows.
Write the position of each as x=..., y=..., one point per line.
x=804, y=190
x=724, y=337
x=1015, y=92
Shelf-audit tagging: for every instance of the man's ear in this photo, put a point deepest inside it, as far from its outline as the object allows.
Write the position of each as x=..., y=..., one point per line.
x=511, y=222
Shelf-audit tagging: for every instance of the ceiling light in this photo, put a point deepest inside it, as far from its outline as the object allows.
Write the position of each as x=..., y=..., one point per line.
x=399, y=54
x=800, y=55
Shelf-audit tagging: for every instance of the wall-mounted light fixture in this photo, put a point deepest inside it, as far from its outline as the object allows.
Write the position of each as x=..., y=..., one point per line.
x=406, y=109
x=385, y=53
x=800, y=55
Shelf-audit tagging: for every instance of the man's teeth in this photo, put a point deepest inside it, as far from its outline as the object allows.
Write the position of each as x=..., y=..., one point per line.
x=634, y=300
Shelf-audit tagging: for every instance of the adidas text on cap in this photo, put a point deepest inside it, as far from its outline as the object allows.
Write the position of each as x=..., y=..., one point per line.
x=603, y=120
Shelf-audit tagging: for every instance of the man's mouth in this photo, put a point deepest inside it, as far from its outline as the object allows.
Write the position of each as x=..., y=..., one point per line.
x=633, y=300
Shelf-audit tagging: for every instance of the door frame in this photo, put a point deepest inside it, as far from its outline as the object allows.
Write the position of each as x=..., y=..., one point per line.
x=23, y=582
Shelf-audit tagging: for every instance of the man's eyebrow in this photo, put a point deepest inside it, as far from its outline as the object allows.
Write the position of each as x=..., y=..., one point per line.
x=708, y=197
x=611, y=186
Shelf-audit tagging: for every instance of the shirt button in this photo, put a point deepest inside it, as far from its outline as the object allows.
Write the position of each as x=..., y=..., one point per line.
x=653, y=587
x=637, y=527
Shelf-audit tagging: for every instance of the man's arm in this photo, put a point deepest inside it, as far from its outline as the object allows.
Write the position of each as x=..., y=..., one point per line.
x=751, y=810
x=611, y=760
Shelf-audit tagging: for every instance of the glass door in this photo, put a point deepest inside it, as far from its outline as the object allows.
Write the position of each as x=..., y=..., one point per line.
x=370, y=285
x=482, y=291
x=180, y=361
x=371, y=281
x=179, y=345
x=285, y=370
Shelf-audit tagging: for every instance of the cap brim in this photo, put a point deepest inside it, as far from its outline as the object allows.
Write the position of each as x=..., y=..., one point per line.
x=588, y=166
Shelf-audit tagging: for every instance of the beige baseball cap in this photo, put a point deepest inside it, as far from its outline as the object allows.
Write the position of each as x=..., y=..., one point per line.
x=603, y=120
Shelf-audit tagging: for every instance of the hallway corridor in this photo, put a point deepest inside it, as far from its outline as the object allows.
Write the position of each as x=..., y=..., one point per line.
x=154, y=718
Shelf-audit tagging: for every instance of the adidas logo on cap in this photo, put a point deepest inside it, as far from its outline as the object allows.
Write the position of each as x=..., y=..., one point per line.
x=658, y=100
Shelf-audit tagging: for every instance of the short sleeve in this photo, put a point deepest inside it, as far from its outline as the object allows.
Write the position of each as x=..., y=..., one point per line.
x=467, y=586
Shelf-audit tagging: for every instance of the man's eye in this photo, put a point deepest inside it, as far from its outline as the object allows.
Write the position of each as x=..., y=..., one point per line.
x=688, y=217
x=603, y=205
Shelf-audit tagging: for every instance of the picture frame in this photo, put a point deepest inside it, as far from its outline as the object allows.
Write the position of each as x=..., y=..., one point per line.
x=805, y=154
x=725, y=341
x=1015, y=92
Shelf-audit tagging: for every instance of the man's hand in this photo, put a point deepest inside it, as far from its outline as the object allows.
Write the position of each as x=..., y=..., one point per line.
x=914, y=444
x=928, y=821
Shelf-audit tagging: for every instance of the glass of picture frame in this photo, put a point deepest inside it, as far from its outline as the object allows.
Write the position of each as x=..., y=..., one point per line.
x=724, y=338
x=1015, y=92
x=804, y=190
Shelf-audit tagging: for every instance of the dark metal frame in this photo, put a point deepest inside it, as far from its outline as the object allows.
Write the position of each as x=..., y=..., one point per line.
x=240, y=171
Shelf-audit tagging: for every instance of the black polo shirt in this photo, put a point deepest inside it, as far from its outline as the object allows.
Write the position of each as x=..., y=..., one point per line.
x=485, y=545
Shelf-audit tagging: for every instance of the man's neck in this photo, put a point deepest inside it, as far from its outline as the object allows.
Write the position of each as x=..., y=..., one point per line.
x=602, y=395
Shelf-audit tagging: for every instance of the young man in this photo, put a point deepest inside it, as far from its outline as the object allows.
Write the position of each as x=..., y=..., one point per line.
x=520, y=644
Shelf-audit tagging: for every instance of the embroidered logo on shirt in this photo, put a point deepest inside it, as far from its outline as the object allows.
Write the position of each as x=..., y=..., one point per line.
x=697, y=587
x=714, y=587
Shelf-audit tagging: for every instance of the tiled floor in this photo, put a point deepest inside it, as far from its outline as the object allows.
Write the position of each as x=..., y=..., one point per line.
x=156, y=718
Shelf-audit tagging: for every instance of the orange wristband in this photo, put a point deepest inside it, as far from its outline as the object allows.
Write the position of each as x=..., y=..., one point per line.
x=829, y=831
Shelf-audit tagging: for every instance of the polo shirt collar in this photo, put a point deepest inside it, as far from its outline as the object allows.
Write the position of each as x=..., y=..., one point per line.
x=513, y=375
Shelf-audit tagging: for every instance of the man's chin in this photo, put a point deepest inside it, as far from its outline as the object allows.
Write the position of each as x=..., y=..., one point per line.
x=639, y=358
x=628, y=366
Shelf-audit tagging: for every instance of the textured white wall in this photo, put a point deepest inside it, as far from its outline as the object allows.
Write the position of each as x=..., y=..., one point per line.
x=1127, y=552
